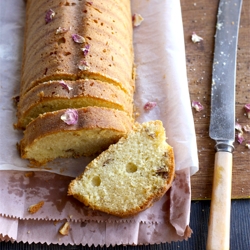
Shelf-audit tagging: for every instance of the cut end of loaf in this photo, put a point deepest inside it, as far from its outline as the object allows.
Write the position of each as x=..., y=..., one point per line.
x=48, y=137
x=131, y=175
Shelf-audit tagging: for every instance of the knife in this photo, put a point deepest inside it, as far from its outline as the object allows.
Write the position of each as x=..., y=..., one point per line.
x=222, y=121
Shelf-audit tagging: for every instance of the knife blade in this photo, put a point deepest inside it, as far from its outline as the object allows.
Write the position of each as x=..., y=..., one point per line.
x=222, y=121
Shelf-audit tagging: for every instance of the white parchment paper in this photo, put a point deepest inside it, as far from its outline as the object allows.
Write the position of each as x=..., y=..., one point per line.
x=161, y=77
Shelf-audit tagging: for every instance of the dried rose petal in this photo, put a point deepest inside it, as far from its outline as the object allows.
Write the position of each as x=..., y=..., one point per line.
x=49, y=16
x=247, y=108
x=240, y=138
x=62, y=30
x=238, y=127
x=85, y=49
x=70, y=116
x=248, y=145
x=83, y=65
x=65, y=86
x=195, y=38
x=197, y=105
x=137, y=20
x=150, y=105
x=247, y=128
x=77, y=38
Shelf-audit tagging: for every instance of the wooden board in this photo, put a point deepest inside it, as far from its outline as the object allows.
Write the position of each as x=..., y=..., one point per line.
x=200, y=17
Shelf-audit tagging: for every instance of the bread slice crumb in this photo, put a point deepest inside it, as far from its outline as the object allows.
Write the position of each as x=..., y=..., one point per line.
x=130, y=175
x=34, y=208
x=64, y=230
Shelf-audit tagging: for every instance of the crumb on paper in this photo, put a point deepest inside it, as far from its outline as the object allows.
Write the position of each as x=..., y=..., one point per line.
x=137, y=19
x=64, y=230
x=197, y=106
x=55, y=222
x=195, y=38
x=34, y=208
x=29, y=174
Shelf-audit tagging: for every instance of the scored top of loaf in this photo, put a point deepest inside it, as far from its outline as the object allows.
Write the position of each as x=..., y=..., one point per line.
x=106, y=27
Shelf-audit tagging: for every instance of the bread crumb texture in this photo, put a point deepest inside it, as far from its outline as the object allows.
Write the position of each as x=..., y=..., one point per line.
x=130, y=175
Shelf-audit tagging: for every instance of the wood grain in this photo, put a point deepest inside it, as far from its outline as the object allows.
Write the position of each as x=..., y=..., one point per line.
x=200, y=17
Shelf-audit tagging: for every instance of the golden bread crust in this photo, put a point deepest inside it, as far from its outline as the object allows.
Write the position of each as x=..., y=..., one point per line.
x=49, y=55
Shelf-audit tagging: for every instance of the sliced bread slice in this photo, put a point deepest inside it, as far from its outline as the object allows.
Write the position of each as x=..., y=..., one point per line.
x=56, y=95
x=72, y=133
x=131, y=175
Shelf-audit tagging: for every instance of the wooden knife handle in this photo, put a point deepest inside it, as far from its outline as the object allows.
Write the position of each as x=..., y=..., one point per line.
x=219, y=221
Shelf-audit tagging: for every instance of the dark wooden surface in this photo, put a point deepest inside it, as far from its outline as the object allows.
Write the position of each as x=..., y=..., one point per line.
x=200, y=16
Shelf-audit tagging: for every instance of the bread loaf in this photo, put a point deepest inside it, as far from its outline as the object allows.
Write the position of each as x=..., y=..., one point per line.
x=131, y=175
x=57, y=31
x=77, y=55
x=92, y=131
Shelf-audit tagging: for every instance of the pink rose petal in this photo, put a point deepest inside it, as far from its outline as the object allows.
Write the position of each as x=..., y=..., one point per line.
x=65, y=86
x=240, y=138
x=247, y=128
x=62, y=30
x=149, y=105
x=70, y=116
x=197, y=106
x=83, y=65
x=49, y=16
x=238, y=127
x=247, y=109
x=85, y=49
x=77, y=38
